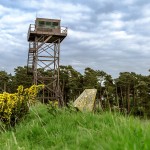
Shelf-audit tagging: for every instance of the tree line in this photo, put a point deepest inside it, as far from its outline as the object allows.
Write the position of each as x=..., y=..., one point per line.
x=129, y=93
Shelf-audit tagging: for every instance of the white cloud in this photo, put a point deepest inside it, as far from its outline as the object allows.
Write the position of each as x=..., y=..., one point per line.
x=121, y=35
x=114, y=40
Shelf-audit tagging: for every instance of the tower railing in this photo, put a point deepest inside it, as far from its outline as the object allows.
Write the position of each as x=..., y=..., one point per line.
x=32, y=28
x=63, y=30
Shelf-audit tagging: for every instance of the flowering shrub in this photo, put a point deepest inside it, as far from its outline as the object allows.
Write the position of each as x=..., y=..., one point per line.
x=14, y=106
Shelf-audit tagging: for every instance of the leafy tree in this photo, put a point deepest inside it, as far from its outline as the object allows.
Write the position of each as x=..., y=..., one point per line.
x=130, y=92
x=125, y=85
x=71, y=82
x=90, y=79
x=20, y=78
x=109, y=91
x=4, y=78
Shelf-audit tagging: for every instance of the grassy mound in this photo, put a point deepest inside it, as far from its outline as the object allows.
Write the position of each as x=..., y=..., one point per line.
x=75, y=130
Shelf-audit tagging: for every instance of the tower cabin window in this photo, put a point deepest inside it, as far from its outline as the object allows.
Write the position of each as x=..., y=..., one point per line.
x=46, y=24
x=41, y=23
x=55, y=24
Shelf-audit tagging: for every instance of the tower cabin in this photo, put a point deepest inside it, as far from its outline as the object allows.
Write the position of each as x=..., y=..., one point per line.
x=46, y=27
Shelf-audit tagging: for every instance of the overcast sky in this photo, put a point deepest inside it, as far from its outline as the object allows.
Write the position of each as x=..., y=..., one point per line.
x=102, y=34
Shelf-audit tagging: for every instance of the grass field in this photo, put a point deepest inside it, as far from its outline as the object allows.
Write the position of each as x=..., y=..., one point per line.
x=76, y=131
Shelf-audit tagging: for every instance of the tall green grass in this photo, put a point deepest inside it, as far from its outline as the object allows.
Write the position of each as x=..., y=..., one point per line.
x=76, y=131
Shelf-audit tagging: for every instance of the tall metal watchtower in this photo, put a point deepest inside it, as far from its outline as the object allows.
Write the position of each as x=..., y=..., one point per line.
x=44, y=39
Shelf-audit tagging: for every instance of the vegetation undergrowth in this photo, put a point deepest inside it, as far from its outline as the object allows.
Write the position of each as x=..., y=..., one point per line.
x=13, y=107
x=75, y=130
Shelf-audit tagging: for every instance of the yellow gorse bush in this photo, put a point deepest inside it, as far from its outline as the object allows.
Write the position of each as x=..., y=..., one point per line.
x=14, y=106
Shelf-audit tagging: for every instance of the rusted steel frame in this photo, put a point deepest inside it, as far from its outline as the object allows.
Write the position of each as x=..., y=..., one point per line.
x=52, y=44
x=60, y=97
x=41, y=82
x=41, y=60
x=40, y=38
x=48, y=65
x=53, y=82
x=35, y=57
x=44, y=68
x=51, y=61
x=47, y=52
x=47, y=56
x=44, y=53
x=43, y=42
x=42, y=49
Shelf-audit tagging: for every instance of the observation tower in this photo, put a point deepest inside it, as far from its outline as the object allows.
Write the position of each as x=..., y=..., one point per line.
x=45, y=37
